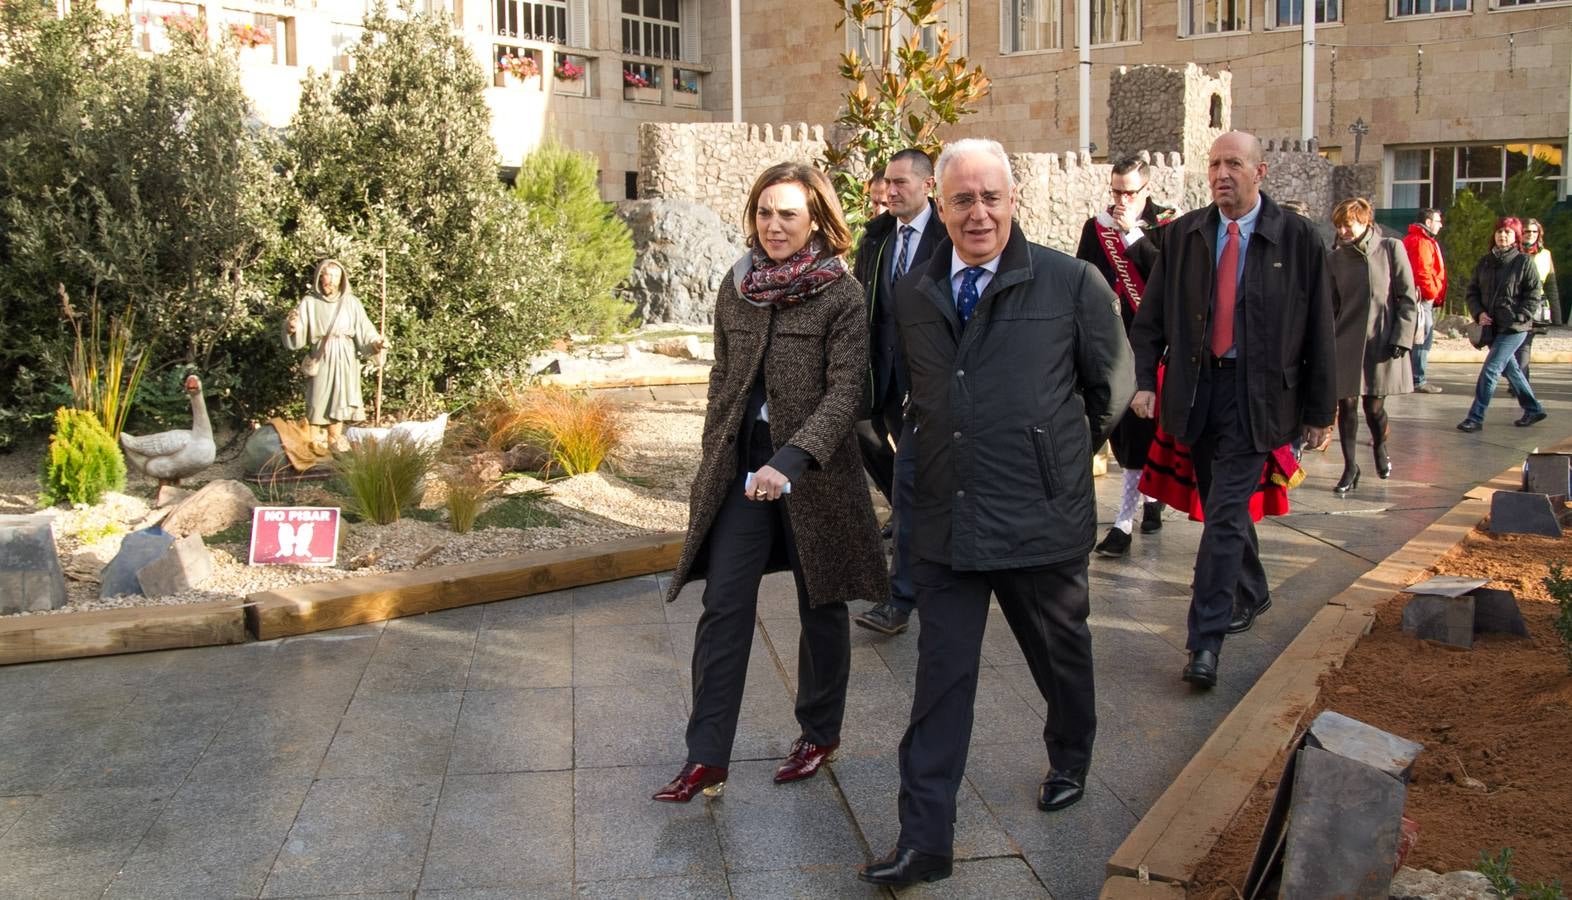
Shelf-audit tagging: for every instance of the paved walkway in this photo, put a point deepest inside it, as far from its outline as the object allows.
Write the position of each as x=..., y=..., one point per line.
x=508, y=750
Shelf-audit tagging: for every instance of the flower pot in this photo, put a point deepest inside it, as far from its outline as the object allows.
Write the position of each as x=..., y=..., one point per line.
x=578, y=87
x=686, y=100
x=637, y=94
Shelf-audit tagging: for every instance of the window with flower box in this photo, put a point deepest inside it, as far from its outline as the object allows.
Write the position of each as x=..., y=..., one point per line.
x=641, y=82
x=570, y=75
x=262, y=38
x=685, y=87
x=516, y=66
x=155, y=22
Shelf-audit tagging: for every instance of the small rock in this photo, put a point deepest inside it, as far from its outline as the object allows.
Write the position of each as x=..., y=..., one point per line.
x=677, y=347
x=1423, y=884
x=524, y=458
x=87, y=565
x=30, y=575
x=185, y=565
x=217, y=506
x=137, y=550
x=264, y=453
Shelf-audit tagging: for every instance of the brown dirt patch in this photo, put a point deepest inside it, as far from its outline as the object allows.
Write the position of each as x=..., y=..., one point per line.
x=1500, y=714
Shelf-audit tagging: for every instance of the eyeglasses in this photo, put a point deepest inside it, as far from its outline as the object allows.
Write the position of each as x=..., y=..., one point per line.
x=1126, y=195
x=964, y=202
x=1531, y=231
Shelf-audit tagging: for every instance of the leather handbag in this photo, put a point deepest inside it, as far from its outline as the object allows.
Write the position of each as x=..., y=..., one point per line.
x=1481, y=336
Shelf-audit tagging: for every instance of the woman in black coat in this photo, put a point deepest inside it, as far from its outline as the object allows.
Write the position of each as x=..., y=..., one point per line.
x=780, y=482
x=1376, y=307
x=1503, y=296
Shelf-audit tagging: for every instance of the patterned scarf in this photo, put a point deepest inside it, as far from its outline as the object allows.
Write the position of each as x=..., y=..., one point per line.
x=803, y=275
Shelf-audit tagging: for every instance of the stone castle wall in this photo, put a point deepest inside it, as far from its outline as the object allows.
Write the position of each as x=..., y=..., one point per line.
x=714, y=164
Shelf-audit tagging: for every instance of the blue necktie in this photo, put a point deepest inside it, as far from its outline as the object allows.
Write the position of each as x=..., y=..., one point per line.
x=900, y=260
x=967, y=301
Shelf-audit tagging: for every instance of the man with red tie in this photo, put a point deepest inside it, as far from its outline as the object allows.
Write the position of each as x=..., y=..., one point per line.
x=1241, y=306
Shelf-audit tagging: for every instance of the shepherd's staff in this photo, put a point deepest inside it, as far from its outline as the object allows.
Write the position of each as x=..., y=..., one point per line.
x=382, y=329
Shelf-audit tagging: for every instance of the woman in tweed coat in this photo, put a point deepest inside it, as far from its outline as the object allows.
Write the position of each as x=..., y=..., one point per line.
x=780, y=482
x=1377, y=310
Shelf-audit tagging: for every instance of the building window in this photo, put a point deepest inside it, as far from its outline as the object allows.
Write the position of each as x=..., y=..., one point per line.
x=652, y=28
x=868, y=44
x=1115, y=21
x=1432, y=176
x=1427, y=7
x=1514, y=4
x=1203, y=17
x=1291, y=13
x=540, y=20
x=1029, y=25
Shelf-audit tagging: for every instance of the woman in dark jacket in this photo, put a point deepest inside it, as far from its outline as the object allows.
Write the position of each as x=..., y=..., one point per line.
x=1376, y=308
x=780, y=481
x=1504, y=295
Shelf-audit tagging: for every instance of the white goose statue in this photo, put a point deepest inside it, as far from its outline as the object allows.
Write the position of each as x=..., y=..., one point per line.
x=170, y=456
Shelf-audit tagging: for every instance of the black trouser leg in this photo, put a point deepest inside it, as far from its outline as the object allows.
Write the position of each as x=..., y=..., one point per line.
x=739, y=550
x=1348, y=430
x=1228, y=472
x=954, y=610
x=823, y=657
x=878, y=457
x=1047, y=609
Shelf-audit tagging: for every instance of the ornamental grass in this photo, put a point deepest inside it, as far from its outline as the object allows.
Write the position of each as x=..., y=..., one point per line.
x=383, y=478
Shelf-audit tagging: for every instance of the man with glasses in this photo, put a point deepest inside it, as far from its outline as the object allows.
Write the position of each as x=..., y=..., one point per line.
x=1424, y=257
x=1122, y=243
x=893, y=244
x=1019, y=368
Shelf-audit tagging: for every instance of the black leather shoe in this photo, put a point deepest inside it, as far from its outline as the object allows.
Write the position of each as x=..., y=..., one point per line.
x=1062, y=787
x=1469, y=426
x=1348, y=482
x=1529, y=419
x=885, y=618
x=906, y=867
x=1151, y=516
x=1383, y=463
x=1115, y=545
x=1244, y=617
x=1201, y=670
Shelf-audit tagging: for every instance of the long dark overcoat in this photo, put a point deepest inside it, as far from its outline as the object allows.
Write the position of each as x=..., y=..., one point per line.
x=815, y=359
x=1377, y=307
x=1282, y=324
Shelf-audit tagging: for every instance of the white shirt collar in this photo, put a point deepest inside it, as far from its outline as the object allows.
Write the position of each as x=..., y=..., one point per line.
x=957, y=265
x=919, y=221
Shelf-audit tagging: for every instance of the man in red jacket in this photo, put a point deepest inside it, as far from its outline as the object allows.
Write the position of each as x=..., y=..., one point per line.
x=1424, y=255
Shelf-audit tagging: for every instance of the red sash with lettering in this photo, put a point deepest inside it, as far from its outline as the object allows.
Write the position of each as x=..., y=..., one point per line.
x=1128, y=283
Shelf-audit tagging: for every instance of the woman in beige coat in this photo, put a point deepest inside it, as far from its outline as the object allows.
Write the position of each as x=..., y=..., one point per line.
x=780, y=481
x=1376, y=308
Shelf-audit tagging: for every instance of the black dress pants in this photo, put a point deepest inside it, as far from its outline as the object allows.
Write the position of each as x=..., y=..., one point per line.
x=739, y=548
x=1227, y=473
x=1046, y=608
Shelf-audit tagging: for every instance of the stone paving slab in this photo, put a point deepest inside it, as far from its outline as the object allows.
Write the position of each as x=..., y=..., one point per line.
x=508, y=750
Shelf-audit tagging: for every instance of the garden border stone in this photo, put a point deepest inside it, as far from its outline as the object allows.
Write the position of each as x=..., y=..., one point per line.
x=1169, y=843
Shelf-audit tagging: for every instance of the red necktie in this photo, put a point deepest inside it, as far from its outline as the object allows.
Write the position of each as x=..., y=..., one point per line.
x=1227, y=293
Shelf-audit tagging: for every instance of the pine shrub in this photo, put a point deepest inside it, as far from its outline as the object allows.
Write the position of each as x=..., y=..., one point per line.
x=83, y=460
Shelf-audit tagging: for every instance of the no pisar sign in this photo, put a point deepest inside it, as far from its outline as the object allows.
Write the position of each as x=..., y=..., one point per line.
x=294, y=536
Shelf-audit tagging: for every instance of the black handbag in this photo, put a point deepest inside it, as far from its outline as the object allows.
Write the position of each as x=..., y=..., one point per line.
x=1481, y=336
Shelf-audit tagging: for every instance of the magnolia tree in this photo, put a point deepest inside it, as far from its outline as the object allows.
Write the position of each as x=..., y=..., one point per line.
x=904, y=85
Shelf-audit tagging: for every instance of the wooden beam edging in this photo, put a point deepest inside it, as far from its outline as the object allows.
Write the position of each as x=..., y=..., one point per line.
x=305, y=608
x=1180, y=829
x=102, y=632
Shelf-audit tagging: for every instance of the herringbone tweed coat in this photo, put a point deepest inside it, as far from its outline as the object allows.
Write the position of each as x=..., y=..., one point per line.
x=815, y=359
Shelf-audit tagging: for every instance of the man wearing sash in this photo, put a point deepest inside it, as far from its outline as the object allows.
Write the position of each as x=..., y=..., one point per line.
x=1123, y=243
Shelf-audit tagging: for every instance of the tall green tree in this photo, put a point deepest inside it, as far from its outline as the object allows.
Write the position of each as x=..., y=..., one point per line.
x=397, y=158
x=560, y=189
x=900, y=93
x=133, y=180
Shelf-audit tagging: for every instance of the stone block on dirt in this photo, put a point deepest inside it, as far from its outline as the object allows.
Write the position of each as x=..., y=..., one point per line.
x=218, y=505
x=1548, y=473
x=30, y=576
x=1496, y=611
x=137, y=550
x=1449, y=620
x=185, y=565
x=1423, y=884
x=1353, y=739
x=1520, y=512
x=1343, y=828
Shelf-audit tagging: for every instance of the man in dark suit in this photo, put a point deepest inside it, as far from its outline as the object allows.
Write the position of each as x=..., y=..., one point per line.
x=1240, y=304
x=1019, y=368
x=1122, y=243
x=893, y=244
